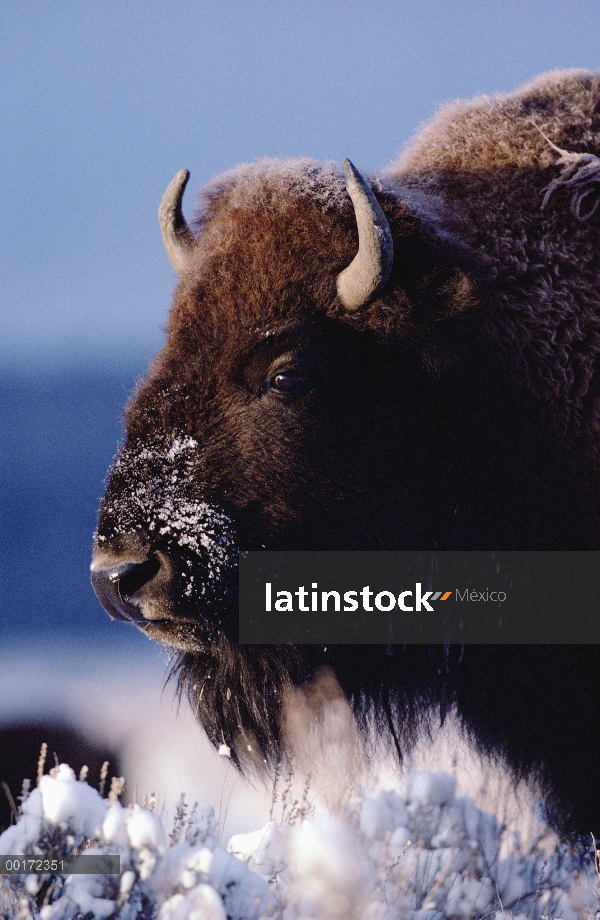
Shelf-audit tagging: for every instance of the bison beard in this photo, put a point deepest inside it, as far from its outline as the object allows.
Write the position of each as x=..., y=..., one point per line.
x=532, y=706
x=428, y=382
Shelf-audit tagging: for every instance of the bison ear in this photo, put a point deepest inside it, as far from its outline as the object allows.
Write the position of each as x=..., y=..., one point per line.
x=367, y=274
x=178, y=238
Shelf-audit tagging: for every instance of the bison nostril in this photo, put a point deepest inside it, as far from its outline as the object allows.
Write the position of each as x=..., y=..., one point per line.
x=116, y=587
x=134, y=576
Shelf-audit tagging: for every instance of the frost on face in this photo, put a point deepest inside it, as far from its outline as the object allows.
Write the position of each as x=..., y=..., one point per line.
x=181, y=446
x=151, y=494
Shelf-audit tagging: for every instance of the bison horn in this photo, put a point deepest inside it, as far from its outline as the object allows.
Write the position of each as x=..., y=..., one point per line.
x=177, y=236
x=370, y=269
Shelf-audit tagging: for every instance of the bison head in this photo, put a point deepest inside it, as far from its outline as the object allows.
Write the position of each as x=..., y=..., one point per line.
x=304, y=400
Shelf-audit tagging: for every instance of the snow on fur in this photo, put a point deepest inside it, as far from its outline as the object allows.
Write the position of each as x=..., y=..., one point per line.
x=293, y=178
x=202, y=529
x=426, y=854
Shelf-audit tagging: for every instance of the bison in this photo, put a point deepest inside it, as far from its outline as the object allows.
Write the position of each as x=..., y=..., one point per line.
x=409, y=362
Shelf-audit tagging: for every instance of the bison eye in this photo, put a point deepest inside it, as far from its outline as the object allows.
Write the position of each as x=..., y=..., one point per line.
x=287, y=383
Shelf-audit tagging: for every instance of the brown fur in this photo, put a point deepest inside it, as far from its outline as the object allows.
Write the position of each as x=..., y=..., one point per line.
x=459, y=409
x=489, y=165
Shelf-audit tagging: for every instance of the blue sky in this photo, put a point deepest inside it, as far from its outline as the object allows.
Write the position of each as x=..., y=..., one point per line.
x=102, y=102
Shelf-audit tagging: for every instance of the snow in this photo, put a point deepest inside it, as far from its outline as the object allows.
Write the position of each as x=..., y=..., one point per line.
x=144, y=829
x=382, y=813
x=202, y=903
x=331, y=873
x=68, y=803
x=155, y=472
x=423, y=788
x=114, y=826
x=265, y=850
x=181, y=445
x=293, y=178
x=421, y=853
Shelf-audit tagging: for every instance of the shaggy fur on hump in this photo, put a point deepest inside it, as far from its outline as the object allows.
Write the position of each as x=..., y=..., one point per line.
x=460, y=409
x=488, y=165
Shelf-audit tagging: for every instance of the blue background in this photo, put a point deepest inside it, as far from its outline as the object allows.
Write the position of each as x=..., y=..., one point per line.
x=101, y=104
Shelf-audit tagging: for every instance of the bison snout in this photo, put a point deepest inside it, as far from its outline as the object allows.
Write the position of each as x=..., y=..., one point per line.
x=122, y=589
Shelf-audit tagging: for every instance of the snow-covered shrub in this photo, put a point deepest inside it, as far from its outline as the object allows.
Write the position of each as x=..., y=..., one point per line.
x=194, y=877
x=426, y=854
